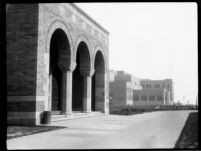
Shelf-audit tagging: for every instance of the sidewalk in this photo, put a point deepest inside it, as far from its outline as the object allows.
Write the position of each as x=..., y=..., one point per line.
x=149, y=130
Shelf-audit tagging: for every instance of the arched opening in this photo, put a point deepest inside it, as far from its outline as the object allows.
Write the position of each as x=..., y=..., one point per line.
x=83, y=66
x=98, y=83
x=59, y=60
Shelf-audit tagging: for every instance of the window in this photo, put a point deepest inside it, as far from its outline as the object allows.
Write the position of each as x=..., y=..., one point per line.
x=151, y=98
x=156, y=86
x=148, y=85
x=144, y=98
x=168, y=85
x=136, y=98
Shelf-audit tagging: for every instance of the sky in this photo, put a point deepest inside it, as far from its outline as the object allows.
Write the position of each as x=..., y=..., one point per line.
x=152, y=41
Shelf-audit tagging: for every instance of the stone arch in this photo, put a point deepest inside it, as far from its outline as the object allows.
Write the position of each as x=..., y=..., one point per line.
x=82, y=38
x=59, y=48
x=54, y=25
x=98, y=80
x=96, y=49
x=82, y=57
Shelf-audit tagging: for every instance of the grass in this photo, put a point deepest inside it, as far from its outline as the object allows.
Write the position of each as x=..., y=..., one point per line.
x=189, y=136
x=127, y=111
x=18, y=131
x=131, y=110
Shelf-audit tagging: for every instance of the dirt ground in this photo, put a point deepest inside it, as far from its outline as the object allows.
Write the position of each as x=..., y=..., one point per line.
x=189, y=136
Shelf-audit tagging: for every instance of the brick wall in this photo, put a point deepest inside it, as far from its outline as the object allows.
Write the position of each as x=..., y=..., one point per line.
x=29, y=31
x=21, y=36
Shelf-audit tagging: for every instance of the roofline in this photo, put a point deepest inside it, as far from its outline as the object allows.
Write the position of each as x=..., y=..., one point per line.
x=88, y=17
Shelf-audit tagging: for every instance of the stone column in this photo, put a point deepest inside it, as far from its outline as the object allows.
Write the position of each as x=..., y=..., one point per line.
x=67, y=90
x=50, y=93
x=87, y=91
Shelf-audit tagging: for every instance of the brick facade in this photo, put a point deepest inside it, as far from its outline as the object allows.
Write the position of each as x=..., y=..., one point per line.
x=30, y=29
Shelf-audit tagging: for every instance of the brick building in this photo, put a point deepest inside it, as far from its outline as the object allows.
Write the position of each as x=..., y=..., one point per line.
x=125, y=89
x=121, y=88
x=153, y=93
x=57, y=60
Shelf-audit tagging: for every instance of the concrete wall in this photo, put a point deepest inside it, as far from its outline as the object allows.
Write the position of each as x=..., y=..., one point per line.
x=118, y=93
x=156, y=84
x=112, y=75
x=121, y=88
x=148, y=97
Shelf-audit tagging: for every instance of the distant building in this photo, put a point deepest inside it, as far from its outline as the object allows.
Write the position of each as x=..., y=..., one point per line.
x=154, y=92
x=112, y=75
x=160, y=84
x=121, y=88
x=125, y=89
x=149, y=98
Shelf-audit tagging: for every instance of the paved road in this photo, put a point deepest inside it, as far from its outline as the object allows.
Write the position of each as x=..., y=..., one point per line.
x=149, y=130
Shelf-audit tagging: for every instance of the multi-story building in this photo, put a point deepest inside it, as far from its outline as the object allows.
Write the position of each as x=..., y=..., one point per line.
x=160, y=84
x=126, y=89
x=121, y=88
x=112, y=74
x=154, y=92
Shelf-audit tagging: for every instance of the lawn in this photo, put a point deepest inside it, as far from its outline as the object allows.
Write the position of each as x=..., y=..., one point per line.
x=18, y=131
x=189, y=136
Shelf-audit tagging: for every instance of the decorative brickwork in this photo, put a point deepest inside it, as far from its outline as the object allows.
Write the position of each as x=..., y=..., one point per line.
x=32, y=31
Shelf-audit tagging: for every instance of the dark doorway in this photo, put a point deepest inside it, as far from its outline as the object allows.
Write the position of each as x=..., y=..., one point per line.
x=98, y=83
x=83, y=63
x=59, y=46
x=77, y=87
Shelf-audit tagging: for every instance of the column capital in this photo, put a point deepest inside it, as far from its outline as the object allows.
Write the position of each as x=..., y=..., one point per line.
x=72, y=66
x=87, y=72
x=91, y=72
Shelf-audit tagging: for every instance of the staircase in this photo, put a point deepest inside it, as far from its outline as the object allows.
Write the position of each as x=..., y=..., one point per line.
x=75, y=115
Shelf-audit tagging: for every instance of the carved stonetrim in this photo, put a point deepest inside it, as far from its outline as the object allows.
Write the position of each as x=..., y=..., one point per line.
x=86, y=72
x=72, y=66
x=81, y=38
x=58, y=24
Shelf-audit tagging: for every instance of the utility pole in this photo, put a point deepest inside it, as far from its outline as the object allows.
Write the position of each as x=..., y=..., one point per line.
x=197, y=100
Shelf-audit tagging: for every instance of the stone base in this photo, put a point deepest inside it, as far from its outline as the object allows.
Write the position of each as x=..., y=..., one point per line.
x=66, y=113
x=21, y=121
x=87, y=112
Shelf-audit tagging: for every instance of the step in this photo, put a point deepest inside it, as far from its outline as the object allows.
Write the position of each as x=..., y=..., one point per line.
x=55, y=118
